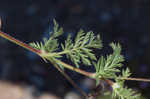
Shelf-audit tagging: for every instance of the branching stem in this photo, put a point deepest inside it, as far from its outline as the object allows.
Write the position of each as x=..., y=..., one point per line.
x=39, y=52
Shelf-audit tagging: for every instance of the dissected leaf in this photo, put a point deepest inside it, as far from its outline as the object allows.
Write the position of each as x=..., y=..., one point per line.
x=108, y=67
x=50, y=44
x=81, y=49
x=124, y=93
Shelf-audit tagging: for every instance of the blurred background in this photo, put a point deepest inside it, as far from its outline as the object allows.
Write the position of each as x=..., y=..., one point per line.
x=126, y=22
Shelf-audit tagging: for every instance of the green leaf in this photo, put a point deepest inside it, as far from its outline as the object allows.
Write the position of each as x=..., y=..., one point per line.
x=50, y=45
x=123, y=92
x=107, y=68
x=81, y=49
x=57, y=31
x=37, y=45
x=126, y=73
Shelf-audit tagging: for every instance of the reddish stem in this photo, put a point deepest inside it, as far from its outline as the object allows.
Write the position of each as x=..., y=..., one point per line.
x=18, y=42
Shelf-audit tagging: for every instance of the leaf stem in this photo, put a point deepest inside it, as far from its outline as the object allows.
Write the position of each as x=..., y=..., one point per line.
x=59, y=53
x=54, y=53
x=136, y=79
x=88, y=74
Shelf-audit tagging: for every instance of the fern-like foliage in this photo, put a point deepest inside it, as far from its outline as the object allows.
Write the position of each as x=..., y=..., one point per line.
x=78, y=51
x=125, y=93
x=108, y=67
x=50, y=45
x=81, y=49
x=122, y=92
